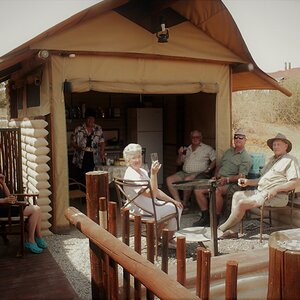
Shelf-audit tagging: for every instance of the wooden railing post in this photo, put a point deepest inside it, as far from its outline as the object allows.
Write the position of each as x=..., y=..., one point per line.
x=113, y=267
x=231, y=280
x=112, y=218
x=165, y=250
x=103, y=212
x=199, y=270
x=150, y=236
x=125, y=239
x=181, y=260
x=104, y=257
x=205, y=274
x=96, y=187
x=138, y=249
x=284, y=265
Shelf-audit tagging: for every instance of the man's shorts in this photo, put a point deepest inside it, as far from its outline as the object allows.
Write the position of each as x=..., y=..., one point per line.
x=183, y=175
x=280, y=200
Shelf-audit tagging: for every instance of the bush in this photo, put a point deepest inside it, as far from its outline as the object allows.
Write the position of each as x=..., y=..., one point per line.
x=267, y=106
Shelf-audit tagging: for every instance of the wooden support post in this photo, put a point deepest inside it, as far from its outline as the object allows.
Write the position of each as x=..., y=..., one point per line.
x=150, y=236
x=199, y=270
x=138, y=249
x=231, y=280
x=165, y=250
x=181, y=260
x=125, y=239
x=205, y=274
x=96, y=187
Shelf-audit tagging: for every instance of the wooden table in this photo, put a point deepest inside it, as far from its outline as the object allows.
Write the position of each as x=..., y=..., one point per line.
x=210, y=185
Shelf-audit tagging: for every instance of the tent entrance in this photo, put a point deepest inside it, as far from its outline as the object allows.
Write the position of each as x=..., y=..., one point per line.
x=181, y=114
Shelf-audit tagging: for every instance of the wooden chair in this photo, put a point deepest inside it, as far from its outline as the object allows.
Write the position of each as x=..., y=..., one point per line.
x=268, y=219
x=142, y=185
x=11, y=168
x=15, y=225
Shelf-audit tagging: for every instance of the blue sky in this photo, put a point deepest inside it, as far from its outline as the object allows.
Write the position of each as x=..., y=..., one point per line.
x=269, y=27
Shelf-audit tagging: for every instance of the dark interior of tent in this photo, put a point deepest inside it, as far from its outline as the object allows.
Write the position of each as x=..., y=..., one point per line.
x=116, y=114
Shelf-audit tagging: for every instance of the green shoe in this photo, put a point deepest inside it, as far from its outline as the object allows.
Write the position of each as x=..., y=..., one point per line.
x=33, y=247
x=41, y=242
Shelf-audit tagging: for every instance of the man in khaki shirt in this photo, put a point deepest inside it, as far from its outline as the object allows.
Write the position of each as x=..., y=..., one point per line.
x=279, y=176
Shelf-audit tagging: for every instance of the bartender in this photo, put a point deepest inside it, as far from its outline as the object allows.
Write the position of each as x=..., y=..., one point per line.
x=89, y=144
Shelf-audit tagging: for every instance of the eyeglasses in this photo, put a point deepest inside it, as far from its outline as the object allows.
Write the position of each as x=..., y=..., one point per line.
x=238, y=137
x=195, y=137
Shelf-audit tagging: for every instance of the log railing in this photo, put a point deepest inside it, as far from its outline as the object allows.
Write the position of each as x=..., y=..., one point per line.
x=107, y=252
x=103, y=243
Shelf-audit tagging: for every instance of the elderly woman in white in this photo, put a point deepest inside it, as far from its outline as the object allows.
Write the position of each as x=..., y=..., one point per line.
x=133, y=157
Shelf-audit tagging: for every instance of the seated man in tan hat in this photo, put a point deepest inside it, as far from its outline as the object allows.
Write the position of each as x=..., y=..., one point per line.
x=279, y=176
x=234, y=164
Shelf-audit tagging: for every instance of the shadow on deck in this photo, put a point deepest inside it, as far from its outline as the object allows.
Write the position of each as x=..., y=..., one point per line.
x=34, y=276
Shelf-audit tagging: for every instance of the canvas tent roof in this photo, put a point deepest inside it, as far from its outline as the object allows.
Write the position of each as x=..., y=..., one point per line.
x=209, y=17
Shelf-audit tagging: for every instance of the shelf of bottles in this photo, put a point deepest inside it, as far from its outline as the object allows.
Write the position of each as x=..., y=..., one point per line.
x=78, y=112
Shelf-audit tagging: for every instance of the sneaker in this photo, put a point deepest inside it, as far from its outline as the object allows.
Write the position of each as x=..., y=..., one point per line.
x=41, y=242
x=33, y=247
x=202, y=222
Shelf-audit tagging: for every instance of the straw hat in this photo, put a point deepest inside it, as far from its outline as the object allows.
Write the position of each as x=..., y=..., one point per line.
x=281, y=137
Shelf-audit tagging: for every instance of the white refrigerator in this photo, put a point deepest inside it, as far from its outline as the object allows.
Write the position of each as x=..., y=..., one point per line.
x=145, y=127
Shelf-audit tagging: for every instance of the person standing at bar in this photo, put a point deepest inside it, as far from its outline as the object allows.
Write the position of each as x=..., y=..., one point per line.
x=89, y=145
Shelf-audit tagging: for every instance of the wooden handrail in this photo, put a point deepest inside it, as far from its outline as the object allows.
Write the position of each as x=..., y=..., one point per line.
x=149, y=275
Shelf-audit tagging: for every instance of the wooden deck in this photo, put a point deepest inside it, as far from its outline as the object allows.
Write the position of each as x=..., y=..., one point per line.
x=34, y=276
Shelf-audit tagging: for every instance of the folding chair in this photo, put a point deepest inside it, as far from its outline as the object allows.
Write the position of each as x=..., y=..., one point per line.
x=143, y=185
x=77, y=190
x=289, y=208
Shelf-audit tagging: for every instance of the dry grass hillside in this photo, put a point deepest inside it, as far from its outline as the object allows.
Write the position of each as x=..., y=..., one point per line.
x=262, y=114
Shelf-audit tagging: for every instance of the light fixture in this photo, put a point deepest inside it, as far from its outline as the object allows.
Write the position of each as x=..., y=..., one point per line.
x=163, y=35
x=43, y=54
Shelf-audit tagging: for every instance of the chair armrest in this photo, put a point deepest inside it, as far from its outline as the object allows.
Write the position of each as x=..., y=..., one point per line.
x=23, y=197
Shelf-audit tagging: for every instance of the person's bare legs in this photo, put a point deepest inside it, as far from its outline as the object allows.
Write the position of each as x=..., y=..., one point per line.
x=172, y=190
x=187, y=193
x=34, y=221
x=239, y=207
x=203, y=204
x=201, y=199
x=220, y=192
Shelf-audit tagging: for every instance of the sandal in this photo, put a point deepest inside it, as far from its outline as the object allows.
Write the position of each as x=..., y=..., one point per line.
x=33, y=247
x=229, y=235
x=172, y=245
x=41, y=243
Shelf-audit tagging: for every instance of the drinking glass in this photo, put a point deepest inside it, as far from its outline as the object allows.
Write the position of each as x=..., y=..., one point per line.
x=154, y=157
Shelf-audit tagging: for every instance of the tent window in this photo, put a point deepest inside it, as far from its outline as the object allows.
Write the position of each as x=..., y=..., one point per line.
x=33, y=95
